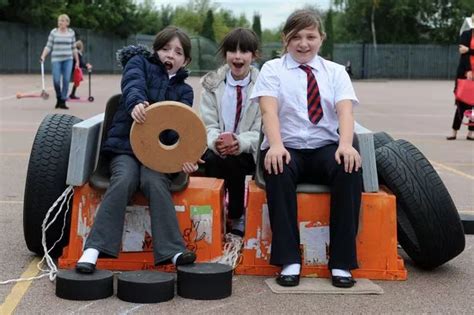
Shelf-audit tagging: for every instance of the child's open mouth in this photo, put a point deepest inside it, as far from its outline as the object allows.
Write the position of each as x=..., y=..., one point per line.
x=168, y=65
x=238, y=65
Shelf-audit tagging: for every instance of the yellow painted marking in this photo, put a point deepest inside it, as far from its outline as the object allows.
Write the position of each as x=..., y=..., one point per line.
x=19, y=290
x=453, y=170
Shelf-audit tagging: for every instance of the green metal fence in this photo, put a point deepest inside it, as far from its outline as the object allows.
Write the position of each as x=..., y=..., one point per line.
x=399, y=61
x=21, y=46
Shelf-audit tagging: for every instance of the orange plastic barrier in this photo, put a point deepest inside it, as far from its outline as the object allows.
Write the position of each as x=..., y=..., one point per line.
x=199, y=209
x=376, y=242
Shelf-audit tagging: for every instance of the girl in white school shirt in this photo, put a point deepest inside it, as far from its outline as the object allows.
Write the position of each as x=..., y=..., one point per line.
x=308, y=138
x=232, y=120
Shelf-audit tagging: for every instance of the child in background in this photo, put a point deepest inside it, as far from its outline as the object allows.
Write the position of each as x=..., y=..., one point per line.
x=232, y=120
x=147, y=78
x=82, y=65
x=306, y=103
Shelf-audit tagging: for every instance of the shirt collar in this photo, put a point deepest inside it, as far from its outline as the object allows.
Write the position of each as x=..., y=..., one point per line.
x=291, y=63
x=244, y=82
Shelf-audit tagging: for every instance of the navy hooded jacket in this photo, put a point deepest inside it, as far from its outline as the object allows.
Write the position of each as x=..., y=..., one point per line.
x=144, y=79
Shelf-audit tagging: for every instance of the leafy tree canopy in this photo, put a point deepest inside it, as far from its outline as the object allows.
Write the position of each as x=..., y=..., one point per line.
x=367, y=21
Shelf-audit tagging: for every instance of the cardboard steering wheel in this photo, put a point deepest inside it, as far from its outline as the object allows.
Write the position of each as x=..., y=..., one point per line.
x=168, y=115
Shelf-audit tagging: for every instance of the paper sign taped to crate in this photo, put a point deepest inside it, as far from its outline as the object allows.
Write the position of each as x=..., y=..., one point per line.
x=314, y=238
x=137, y=230
x=201, y=217
x=262, y=243
x=179, y=208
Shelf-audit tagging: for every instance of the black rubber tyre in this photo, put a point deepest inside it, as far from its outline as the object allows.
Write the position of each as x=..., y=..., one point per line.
x=46, y=181
x=429, y=227
x=381, y=139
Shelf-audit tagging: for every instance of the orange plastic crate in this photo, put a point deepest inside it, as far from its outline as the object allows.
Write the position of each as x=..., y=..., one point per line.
x=199, y=209
x=376, y=241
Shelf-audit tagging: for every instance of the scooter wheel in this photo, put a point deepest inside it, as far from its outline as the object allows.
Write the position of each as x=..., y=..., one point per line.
x=91, y=98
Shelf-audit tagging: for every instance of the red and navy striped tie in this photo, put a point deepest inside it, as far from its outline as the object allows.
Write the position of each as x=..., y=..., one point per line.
x=315, y=110
x=239, y=107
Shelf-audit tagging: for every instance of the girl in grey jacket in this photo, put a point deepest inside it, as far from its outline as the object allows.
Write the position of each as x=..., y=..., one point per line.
x=232, y=120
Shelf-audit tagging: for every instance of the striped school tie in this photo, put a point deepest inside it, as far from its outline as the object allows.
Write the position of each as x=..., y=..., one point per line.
x=239, y=107
x=315, y=110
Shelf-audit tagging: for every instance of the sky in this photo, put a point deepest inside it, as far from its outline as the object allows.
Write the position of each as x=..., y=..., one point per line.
x=273, y=12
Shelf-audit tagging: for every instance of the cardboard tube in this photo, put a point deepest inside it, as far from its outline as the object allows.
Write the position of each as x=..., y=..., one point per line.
x=161, y=116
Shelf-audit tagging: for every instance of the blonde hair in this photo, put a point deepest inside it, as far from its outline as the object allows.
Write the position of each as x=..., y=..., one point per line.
x=299, y=20
x=80, y=45
x=66, y=17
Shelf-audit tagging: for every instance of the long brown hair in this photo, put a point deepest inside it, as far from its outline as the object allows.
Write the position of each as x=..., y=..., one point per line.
x=299, y=20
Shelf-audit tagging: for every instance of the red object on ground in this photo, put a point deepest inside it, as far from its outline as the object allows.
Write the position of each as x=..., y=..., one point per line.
x=77, y=76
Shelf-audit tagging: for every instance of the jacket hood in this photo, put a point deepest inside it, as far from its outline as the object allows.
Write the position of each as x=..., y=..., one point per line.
x=212, y=79
x=125, y=54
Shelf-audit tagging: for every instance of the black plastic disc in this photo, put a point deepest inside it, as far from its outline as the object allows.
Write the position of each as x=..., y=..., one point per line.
x=145, y=286
x=204, y=281
x=72, y=285
x=467, y=219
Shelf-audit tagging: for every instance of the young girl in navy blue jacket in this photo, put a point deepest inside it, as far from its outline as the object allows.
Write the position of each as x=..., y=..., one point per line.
x=306, y=103
x=147, y=78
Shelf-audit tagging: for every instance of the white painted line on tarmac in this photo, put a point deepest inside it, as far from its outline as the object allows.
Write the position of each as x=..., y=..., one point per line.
x=19, y=290
x=452, y=170
x=80, y=309
x=131, y=310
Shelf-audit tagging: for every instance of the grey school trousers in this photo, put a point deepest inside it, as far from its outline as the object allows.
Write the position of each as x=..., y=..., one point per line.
x=128, y=174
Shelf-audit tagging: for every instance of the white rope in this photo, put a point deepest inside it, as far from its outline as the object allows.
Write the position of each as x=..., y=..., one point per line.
x=52, y=269
x=231, y=253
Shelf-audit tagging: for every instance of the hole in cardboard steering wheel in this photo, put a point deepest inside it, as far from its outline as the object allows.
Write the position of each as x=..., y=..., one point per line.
x=168, y=139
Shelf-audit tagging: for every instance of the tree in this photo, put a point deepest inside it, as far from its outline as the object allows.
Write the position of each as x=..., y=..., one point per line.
x=256, y=26
x=188, y=20
x=443, y=18
x=208, y=26
x=40, y=13
x=166, y=15
x=402, y=21
x=270, y=36
x=328, y=45
x=150, y=22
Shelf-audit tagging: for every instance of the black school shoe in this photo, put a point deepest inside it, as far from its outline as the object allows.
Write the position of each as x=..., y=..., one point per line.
x=85, y=267
x=343, y=282
x=288, y=280
x=61, y=104
x=186, y=258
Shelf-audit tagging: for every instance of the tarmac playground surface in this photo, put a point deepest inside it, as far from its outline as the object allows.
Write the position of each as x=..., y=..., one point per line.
x=418, y=111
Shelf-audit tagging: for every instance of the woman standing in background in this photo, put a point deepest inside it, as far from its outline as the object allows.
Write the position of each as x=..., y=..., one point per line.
x=61, y=45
